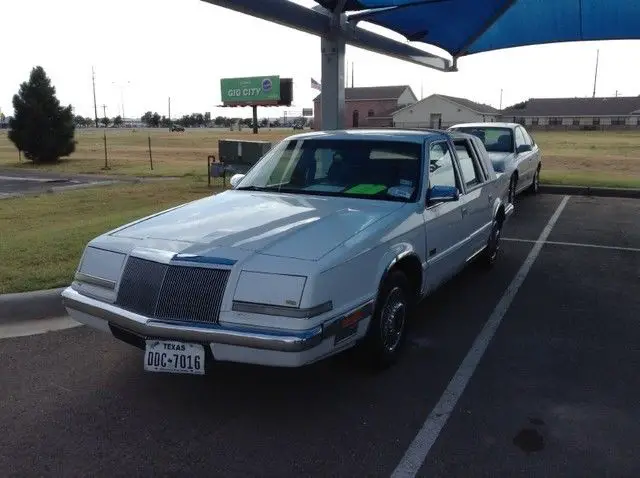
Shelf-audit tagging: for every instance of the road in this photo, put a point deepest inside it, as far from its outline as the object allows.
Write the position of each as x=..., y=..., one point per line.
x=553, y=393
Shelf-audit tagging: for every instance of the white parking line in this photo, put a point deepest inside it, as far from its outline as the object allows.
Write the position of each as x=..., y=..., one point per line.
x=36, y=327
x=417, y=452
x=576, y=244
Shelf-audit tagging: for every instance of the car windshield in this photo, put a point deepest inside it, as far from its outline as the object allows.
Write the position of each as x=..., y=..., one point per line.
x=362, y=168
x=495, y=139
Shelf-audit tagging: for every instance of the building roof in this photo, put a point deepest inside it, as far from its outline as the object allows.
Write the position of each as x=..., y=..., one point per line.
x=361, y=93
x=472, y=105
x=611, y=106
x=463, y=102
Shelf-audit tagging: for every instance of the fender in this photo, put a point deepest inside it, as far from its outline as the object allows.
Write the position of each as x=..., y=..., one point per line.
x=393, y=256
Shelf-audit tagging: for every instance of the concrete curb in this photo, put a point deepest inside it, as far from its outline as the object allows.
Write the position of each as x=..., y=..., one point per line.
x=590, y=191
x=40, y=304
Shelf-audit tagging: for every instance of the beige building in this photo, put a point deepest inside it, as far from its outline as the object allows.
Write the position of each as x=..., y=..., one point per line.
x=442, y=111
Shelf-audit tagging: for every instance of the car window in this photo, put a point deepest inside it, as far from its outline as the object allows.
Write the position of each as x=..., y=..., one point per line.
x=527, y=137
x=360, y=168
x=496, y=139
x=471, y=174
x=441, y=170
x=519, y=138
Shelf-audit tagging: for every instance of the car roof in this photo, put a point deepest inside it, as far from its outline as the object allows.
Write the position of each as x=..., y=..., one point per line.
x=382, y=134
x=486, y=124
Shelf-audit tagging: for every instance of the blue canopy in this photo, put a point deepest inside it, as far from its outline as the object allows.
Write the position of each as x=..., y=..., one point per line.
x=463, y=27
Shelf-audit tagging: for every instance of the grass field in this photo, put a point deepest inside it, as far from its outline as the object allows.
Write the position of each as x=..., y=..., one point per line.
x=42, y=237
x=594, y=158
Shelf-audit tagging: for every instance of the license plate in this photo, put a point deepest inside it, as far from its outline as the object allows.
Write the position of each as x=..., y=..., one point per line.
x=174, y=357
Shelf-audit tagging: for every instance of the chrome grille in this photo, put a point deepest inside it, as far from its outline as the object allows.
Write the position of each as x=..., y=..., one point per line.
x=172, y=292
x=140, y=286
x=192, y=294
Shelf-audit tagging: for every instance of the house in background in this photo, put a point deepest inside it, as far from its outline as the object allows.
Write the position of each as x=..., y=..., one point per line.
x=442, y=111
x=369, y=106
x=619, y=112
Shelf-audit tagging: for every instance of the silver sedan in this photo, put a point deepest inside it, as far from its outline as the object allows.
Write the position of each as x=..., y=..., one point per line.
x=512, y=151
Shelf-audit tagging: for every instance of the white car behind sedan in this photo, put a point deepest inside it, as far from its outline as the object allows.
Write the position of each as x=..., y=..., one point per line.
x=512, y=151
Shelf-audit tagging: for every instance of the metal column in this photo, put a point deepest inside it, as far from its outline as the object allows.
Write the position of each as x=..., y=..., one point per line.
x=332, y=99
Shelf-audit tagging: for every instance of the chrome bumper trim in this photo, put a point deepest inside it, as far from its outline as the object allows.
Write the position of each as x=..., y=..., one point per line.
x=244, y=336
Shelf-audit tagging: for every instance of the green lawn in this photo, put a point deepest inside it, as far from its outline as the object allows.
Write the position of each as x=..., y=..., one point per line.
x=42, y=237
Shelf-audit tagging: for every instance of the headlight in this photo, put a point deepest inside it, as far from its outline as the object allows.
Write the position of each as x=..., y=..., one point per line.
x=100, y=267
x=273, y=294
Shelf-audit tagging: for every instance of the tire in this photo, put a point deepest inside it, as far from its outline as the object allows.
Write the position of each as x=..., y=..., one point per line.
x=513, y=184
x=534, y=188
x=490, y=254
x=387, y=332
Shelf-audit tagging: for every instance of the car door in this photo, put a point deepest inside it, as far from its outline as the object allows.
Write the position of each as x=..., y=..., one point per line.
x=523, y=160
x=444, y=237
x=476, y=199
x=535, y=150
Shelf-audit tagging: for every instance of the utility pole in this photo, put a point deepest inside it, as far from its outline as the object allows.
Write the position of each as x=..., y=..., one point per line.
x=104, y=111
x=95, y=106
x=500, y=99
x=351, y=74
x=595, y=79
x=169, y=108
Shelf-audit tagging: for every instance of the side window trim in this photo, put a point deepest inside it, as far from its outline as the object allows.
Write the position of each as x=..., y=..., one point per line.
x=474, y=163
x=483, y=165
x=454, y=163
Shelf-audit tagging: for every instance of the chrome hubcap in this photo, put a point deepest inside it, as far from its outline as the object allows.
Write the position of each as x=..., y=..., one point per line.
x=392, y=319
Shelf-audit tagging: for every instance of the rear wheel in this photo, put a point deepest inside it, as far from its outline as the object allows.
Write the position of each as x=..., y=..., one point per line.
x=387, y=331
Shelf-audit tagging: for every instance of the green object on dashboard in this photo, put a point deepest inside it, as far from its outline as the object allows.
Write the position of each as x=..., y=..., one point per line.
x=366, y=189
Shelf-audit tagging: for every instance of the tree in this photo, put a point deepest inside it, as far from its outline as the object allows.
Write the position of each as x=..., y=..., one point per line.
x=41, y=128
x=207, y=119
x=264, y=122
x=88, y=121
x=105, y=121
x=165, y=122
x=117, y=121
x=79, y=121
x=151, y=119
x=219, y=121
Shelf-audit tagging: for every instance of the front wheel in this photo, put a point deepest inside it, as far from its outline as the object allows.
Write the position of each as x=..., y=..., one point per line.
x=513, y=184
x=534, y=188
x=387, y=331
x=490, y=253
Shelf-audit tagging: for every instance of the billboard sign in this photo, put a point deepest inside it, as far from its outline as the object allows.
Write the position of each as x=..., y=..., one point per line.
x=251, y=90
x=307, y=112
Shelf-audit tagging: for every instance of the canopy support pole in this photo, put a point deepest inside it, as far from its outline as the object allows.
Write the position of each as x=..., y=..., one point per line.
x=332, y=97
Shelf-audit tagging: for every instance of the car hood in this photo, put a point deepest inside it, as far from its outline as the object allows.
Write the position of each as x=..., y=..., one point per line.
x=500, y=160
x=296, y=226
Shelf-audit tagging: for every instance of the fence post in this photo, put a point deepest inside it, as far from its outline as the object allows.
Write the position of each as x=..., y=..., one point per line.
x=106, y=161
x=150, y=157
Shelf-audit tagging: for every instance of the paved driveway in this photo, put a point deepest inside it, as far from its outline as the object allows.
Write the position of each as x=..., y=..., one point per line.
x=528, y=370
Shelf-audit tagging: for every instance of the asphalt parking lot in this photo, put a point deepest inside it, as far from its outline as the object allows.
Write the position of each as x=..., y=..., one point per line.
x=526, y=370
x=18, y=183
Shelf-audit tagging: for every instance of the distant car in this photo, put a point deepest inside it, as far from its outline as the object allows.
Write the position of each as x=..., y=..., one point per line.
x=298, y=126
x=176, y=127
x=325, y=244
x=513, y=152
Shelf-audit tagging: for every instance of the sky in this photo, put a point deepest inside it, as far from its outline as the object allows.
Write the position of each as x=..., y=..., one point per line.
x=145, y=51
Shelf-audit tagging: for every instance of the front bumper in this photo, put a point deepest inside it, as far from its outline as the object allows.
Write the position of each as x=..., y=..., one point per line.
x=232, y=342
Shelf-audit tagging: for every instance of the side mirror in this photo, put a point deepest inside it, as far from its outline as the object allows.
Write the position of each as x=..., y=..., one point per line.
x=235, y=180
x=523, y=148
x=443, y=194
